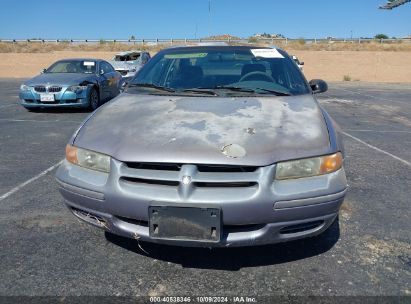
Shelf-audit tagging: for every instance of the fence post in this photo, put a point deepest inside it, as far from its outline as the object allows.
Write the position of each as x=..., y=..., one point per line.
x=286, y=41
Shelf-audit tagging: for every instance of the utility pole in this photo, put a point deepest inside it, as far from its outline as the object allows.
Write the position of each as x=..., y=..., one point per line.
x=209, y=18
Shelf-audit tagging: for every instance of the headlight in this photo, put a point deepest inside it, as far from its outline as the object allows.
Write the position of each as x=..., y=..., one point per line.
x=24, y=87
x=76, y=88
x=88, y=159
x=309, y=166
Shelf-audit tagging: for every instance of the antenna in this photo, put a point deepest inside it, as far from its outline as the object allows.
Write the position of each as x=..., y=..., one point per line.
x=209, y=18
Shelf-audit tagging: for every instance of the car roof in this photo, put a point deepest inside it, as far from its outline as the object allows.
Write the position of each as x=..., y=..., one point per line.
x=81, y=59
x=218, y=47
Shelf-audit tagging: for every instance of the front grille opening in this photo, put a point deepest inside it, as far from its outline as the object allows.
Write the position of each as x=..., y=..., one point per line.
x=154, y=166
x=224, y=184
x=200, y=168
x=133, y=221
x=40, y=88
x=150, y=181
x=242, y=228
x=301, y=227
x=222, y=168
x=54, y=89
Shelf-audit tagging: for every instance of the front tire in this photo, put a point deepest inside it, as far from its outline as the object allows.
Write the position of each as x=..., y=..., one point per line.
x=94, y=99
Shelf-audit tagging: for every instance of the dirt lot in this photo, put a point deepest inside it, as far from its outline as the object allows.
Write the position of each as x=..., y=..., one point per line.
x=369, y=66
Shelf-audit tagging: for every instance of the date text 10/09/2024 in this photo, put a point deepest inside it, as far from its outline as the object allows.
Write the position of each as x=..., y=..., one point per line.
x=234, y=299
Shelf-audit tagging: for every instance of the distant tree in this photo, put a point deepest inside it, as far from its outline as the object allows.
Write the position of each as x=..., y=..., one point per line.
x=252, y=40
x=381, y=36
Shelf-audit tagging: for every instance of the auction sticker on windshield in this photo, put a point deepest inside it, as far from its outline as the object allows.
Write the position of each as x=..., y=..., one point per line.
x=266, y=53
x=89, y=63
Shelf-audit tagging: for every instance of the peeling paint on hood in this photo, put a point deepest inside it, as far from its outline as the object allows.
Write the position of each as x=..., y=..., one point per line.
x=180, y=129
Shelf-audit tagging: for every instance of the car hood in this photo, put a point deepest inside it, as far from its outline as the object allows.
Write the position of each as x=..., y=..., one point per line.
x=60, y=79
x=179, y=129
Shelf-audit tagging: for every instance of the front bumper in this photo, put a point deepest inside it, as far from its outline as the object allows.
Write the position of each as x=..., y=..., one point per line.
x=31, y=99
x=265, y=214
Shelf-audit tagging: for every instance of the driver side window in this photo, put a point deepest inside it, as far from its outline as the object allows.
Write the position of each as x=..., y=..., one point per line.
x=106, y=68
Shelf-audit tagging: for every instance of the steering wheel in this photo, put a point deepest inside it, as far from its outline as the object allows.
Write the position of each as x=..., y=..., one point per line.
x=259, y=75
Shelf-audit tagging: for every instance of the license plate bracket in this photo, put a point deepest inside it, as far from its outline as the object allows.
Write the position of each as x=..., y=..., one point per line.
x=185, y=223
x=47, y=97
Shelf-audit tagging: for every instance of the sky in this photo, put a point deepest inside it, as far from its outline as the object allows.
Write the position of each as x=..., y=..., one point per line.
x=164, y=19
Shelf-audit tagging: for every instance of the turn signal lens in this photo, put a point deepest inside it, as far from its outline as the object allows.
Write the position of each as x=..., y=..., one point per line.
x=331, y=163
x=71, y=154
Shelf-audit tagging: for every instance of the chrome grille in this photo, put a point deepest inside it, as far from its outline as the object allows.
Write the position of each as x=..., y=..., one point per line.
x=40, y=89
x=200, y=176
x=54, y=89
x=51, y=89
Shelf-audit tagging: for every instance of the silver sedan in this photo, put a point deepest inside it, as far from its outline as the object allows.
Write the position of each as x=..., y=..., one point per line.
x=209, y=146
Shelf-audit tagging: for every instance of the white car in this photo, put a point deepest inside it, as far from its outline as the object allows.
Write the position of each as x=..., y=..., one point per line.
x=299, y=63
x=129, y=63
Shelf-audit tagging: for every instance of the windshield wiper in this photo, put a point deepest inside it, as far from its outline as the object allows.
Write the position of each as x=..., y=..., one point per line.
x=151, y=85
x=201, y=90
x=252, y=90
x=277, y=93
x=237, y=89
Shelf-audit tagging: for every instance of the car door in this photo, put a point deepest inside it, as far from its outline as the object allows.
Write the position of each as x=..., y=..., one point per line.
x=110, y=79
x=104, y=81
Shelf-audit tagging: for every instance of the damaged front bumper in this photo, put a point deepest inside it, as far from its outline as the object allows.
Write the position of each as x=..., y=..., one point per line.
x=265, y=213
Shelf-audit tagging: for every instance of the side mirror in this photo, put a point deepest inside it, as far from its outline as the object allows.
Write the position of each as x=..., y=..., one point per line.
x=43, y=71
x=318, y=86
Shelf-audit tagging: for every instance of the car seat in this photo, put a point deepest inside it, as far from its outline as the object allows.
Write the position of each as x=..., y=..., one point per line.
x=189, y=77
x=71, y=68
x=252, y=67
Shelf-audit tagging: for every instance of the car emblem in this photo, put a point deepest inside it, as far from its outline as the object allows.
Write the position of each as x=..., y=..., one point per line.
x=186, y=180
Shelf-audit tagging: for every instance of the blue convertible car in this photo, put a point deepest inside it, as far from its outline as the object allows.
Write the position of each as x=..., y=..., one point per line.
x=74, y=83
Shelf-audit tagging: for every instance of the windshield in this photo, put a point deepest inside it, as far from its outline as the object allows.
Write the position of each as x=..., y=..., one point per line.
x=73, y=66
x=223, y=71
